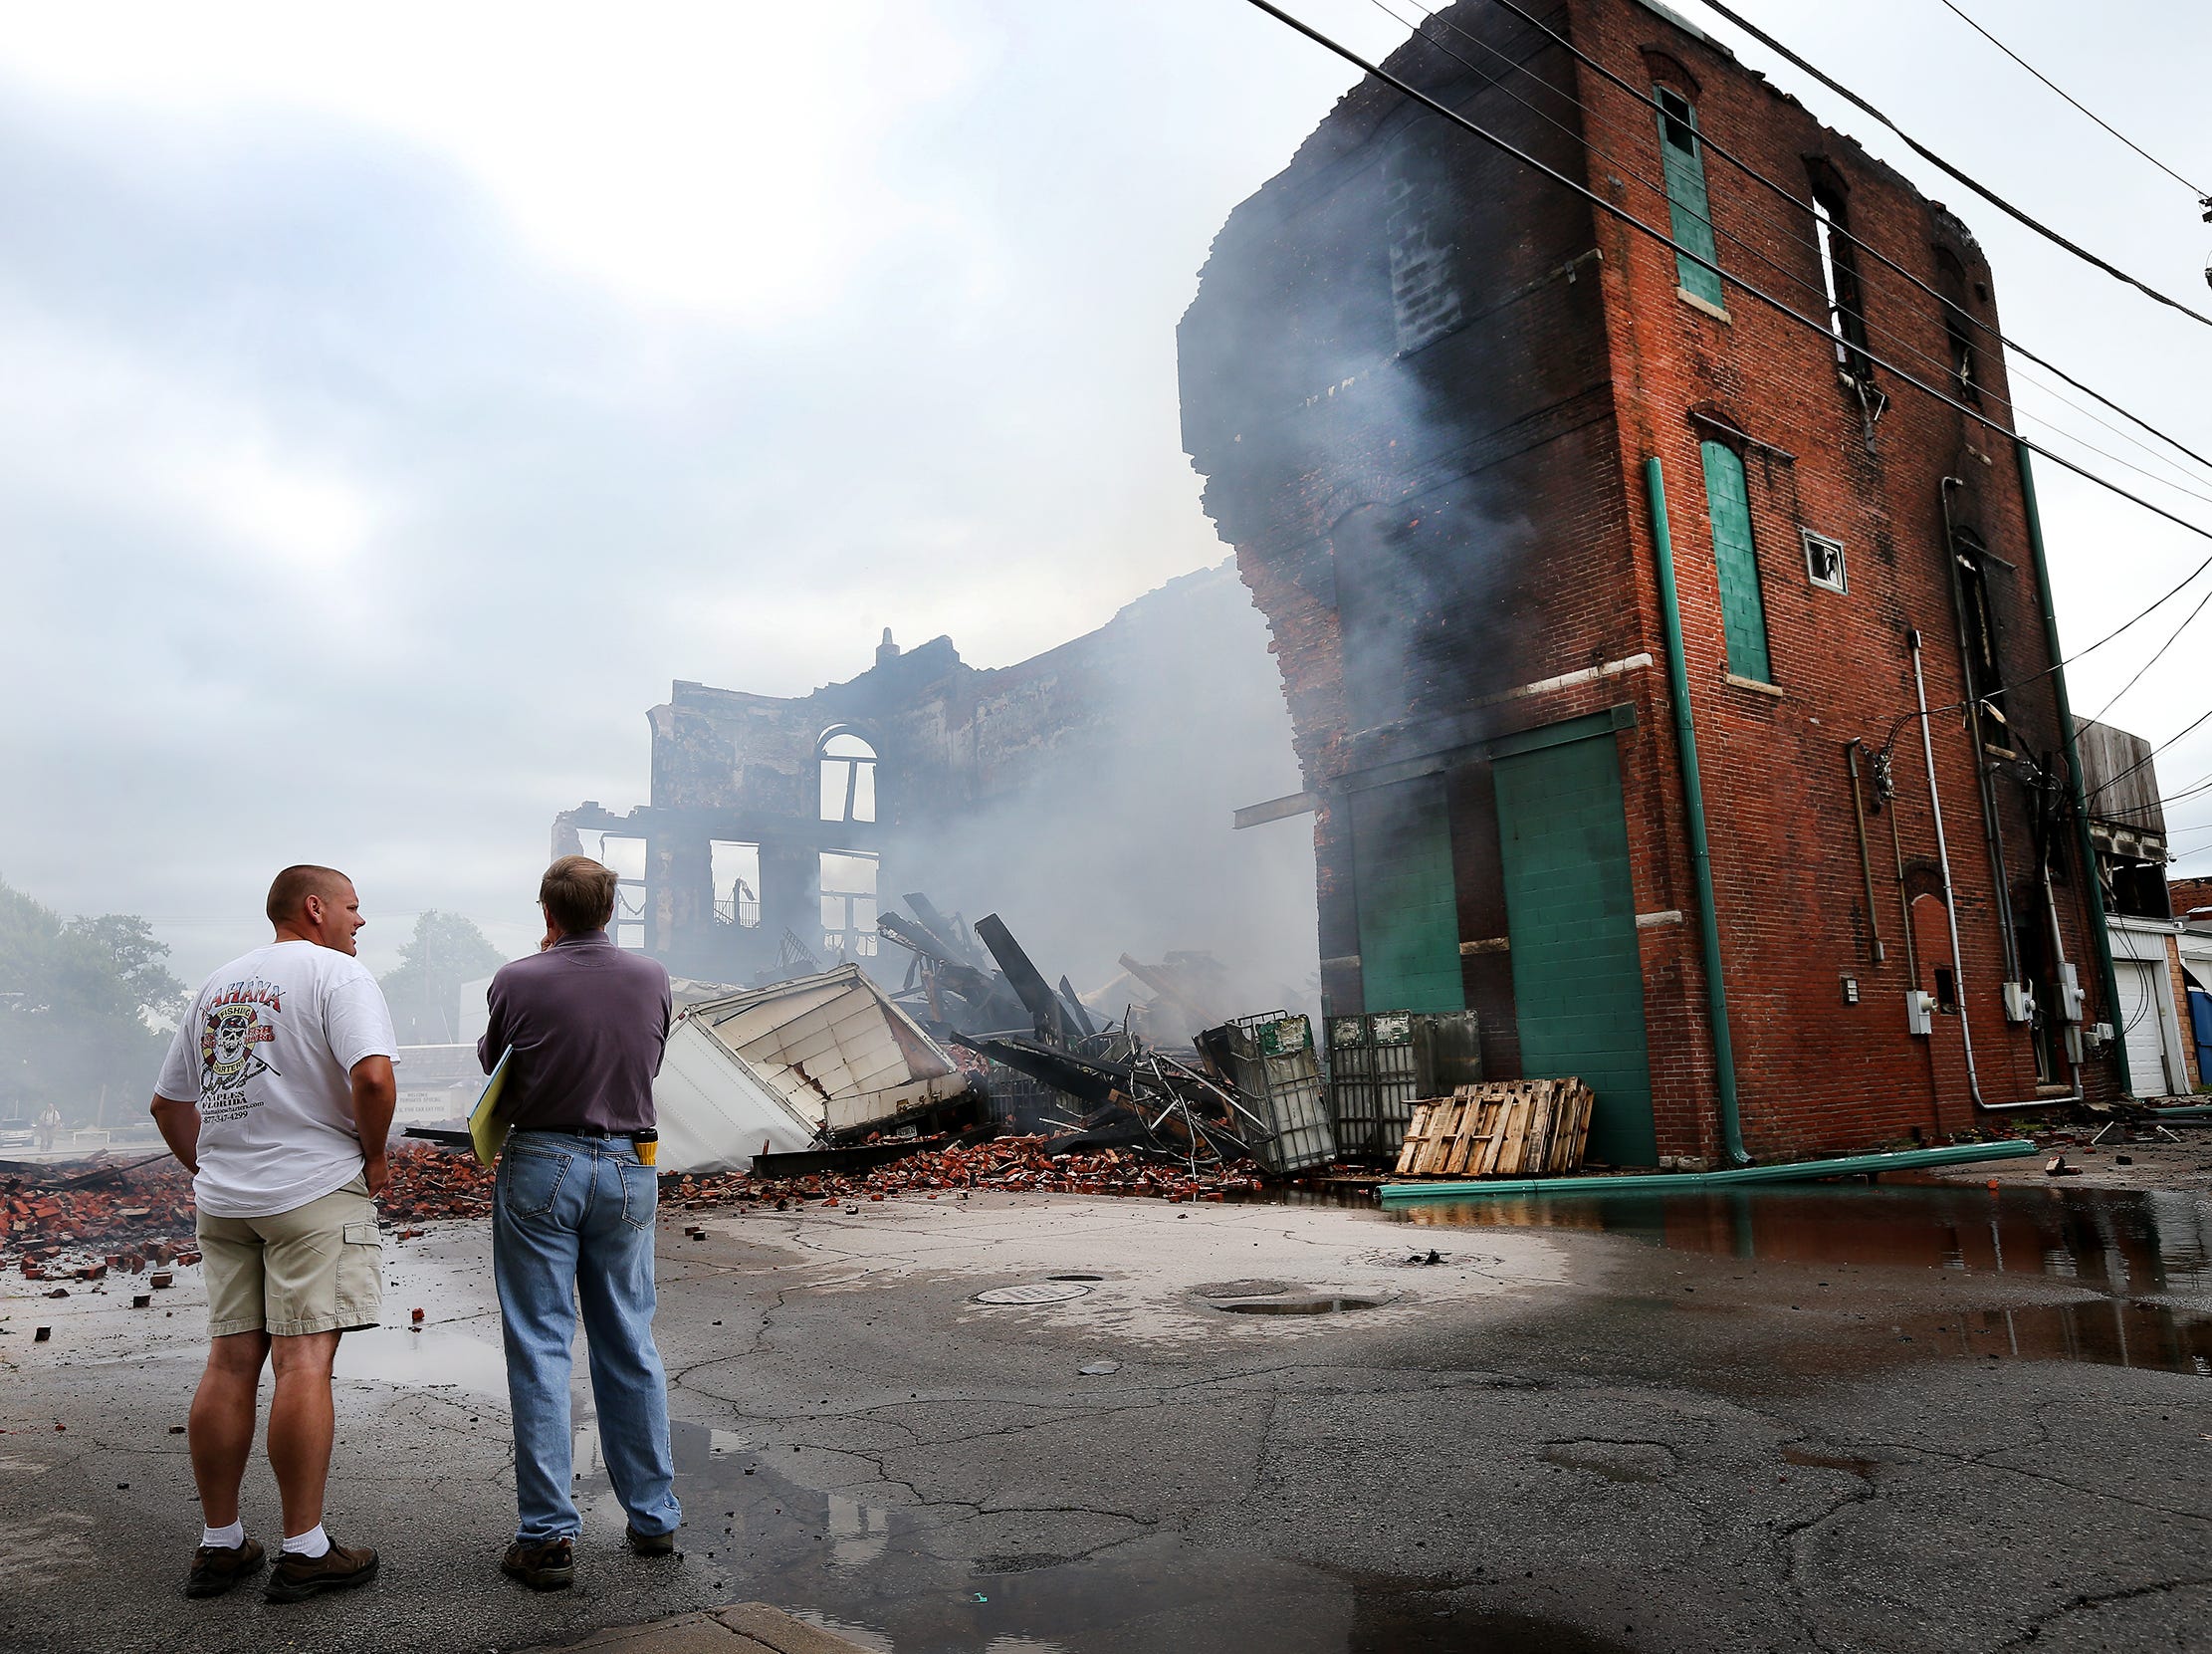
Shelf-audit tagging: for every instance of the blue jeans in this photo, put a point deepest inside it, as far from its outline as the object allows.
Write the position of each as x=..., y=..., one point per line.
x=572, y=1218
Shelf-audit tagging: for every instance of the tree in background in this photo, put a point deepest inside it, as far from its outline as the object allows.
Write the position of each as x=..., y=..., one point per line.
x=424, y=989
x=83, y=1003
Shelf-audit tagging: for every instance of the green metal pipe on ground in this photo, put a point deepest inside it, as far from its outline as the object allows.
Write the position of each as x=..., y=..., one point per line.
x=1693, y=798
x=1794, y=1171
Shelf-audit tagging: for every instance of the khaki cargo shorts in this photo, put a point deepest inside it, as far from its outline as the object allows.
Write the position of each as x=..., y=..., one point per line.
x=318, y=1267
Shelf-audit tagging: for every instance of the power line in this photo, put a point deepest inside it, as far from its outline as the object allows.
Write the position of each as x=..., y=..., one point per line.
x=1936, y=160
x=1407, y=90
x=1788, y=233
x=2202, y=194
x=2154, y=660
x=1744, y=166
x=2119, y=774
x=1629, y=218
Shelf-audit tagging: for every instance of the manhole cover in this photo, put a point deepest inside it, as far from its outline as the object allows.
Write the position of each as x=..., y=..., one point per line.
x=1098, y=1369
x=1044, y=1291
x=1301, y=1306
x=1242, y=1289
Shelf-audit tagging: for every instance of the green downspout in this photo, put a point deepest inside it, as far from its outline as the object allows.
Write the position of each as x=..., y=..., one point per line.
x=1694, y=795
x=2094, y=890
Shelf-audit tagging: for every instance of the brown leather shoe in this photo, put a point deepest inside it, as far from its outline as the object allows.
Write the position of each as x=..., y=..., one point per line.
x=650, y=1544
x=550, y=1566
x=217, y=1567
x=295, y=1579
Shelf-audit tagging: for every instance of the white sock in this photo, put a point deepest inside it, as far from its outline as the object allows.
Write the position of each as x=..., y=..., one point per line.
x=224, y=1538
x=314, y=1543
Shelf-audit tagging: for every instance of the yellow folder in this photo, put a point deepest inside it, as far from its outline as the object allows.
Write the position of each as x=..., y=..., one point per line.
x=488, y=1123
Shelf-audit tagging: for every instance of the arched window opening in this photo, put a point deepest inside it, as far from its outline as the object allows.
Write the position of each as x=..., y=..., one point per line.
x=848, y=777
x=1846, y=301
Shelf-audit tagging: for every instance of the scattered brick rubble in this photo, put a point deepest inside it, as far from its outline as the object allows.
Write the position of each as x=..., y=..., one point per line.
x=127, y=1218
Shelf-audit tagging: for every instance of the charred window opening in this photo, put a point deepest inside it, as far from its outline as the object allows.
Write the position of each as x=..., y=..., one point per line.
x=1690, y=212
x=1977, y=616
x=848, y=777
x=736, y=883
x=1946, y=988
x=1958, y=328
x=1847, y=299
x=848, y=888
x=626, y=855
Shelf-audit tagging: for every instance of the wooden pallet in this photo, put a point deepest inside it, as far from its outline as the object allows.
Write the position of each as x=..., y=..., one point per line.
x=1499, y=1129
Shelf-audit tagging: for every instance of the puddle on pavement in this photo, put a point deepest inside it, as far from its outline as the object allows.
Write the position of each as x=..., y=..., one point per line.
x=869, y=1571
x=423, y=1361
x=1300, y=1306
x=2128, y=1245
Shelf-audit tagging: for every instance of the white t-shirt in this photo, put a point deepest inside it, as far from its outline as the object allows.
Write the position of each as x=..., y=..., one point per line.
x=267, y=1051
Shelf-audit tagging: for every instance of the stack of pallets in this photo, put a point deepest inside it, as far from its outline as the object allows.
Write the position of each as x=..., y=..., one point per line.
x=1499, y=1129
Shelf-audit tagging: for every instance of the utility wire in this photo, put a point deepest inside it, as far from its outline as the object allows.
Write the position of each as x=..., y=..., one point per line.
x=1629, y=218
x=2154, y=660
x=1405, y=89
x=1936, y=160
x=1788, y=233
x=2198, y=190
x=1705, y=141
x=2119, y=774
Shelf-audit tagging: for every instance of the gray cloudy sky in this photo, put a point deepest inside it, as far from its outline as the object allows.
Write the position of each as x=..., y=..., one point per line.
x=397, y=399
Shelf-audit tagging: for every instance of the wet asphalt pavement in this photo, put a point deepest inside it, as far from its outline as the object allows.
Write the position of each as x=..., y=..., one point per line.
x=1912, y=1419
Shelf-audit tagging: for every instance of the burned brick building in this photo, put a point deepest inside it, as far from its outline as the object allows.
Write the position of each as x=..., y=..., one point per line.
x=1603, y=595
x=1086, y=793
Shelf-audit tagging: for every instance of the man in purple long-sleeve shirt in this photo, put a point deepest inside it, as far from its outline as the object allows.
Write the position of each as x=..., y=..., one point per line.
x=572, y=1219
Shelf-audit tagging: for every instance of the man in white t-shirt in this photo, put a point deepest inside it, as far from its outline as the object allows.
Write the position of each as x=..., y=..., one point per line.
x=276, y=1095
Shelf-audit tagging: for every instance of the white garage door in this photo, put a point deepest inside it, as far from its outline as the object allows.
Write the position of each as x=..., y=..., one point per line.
x=2139, y=987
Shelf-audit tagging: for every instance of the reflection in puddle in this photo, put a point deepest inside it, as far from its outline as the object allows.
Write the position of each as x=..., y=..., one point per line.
x=905, y=1579
x=1300, y=1306
x=2124, y=1244
x=423, y=1361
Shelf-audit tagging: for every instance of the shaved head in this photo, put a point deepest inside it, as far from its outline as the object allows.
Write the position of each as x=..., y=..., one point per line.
x=289, y=894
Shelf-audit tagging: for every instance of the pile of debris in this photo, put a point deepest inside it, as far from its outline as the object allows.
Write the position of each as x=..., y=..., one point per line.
x=1247, y=1090
x=1033, y=1163
x=86, y=1215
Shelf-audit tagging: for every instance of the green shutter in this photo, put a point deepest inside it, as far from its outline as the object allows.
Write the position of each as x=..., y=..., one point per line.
x=1743, y=612
x=1689, y=215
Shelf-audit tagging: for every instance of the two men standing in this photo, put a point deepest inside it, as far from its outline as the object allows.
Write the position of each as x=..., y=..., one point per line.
x=277, y=1095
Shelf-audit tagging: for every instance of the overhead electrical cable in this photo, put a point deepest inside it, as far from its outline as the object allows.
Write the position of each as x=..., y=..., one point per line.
x=1794, y=237
x=1936, y=160
x=2155, y=656
x=1405, y=89
x=2201, y=193
x=1707, y=144
x=2118, y=776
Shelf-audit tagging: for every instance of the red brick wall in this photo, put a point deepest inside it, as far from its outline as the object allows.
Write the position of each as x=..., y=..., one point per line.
x=1326, y=451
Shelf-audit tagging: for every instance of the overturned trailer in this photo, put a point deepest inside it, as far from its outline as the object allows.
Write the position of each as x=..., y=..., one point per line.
x=791, y=1067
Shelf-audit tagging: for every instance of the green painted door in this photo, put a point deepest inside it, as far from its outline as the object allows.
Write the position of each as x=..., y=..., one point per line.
x=1407, y=905
x=1578, y=983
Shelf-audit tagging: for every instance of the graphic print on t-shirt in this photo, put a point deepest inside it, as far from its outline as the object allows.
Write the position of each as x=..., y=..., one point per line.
x=234, y=1027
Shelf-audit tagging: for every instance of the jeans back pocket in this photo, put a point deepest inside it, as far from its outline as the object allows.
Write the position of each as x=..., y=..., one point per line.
x=530, y=1179
x=640, y=1193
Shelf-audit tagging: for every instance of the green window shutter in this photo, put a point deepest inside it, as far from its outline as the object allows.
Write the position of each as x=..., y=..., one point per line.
x=1689, y=215
x=1743, y=611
